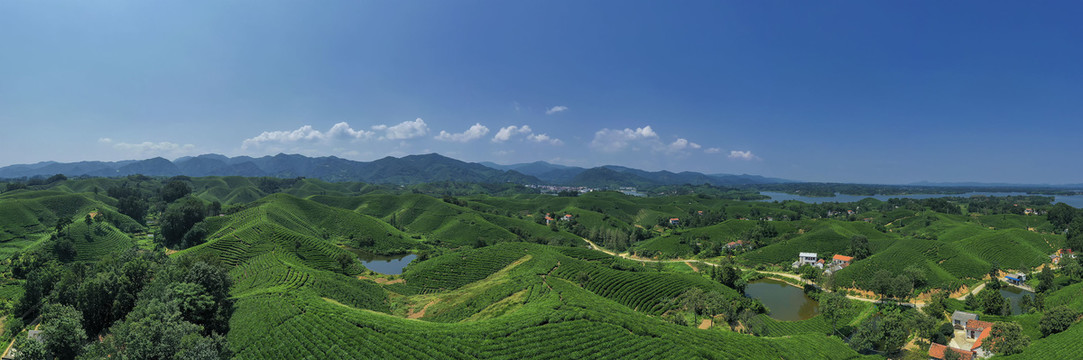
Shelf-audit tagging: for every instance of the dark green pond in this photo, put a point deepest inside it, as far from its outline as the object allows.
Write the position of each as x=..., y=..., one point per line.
x=784, y=301
x=1014, y=295
x=385, y=264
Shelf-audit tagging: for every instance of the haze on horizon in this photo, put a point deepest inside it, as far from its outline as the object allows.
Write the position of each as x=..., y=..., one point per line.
x=864, y=92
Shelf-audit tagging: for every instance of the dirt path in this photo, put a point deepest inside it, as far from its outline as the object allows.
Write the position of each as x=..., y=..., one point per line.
x=705, y=324
x=382, y=281
x=412, y=315
x=694, y=268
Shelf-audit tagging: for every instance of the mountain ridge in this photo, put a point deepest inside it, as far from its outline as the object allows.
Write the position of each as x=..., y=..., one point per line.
x=410, y=169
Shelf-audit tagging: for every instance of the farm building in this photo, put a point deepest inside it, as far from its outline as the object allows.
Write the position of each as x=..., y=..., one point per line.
x=567, y=217
x=936, y=351
x=1016, y=279
x=960, y=318
x=842, y=260
x=735, y=244
x=808, y=259
x=674, y=221
x=974, y=328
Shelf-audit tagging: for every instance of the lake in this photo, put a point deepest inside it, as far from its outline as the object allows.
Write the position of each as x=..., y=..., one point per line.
x=385, y=264
x=1014, y=295
x=1072, y=200
x=784, y=301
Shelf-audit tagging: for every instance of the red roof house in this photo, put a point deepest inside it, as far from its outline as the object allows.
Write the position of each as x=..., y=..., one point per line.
x=936, y=351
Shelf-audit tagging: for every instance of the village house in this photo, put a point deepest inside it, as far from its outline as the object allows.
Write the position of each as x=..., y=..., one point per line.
x=842, y=260
x=1030, y=211
x=960, y=318
x=978, y=348
x=735, y=244
x=567, y=217
x=808, y=259
x=1055, y=258
x=936, y=351
x=974, y=328
x=674, y=221
x=548, y=218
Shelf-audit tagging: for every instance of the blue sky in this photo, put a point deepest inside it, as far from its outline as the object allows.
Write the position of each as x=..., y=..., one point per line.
x=848, y=91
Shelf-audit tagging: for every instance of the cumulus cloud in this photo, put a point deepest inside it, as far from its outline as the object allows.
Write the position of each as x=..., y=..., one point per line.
x=543, y=138
x=556, y=109
x=610, y=140
x=505, y=133
x=340, y=132
x=404, y=130
x=148, y=148
x=343, y=130
x=473, y=133
x=681, y=144
x=742, y=155
x=712, y=150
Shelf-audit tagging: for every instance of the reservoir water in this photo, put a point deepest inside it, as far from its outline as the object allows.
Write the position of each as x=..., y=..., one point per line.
x=1072, y=200
x=784, y=301
x=1014, y=295
x=385, y=264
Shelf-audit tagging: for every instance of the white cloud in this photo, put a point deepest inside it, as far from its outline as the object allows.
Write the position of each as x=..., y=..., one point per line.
x=105, y=140
x=505, y=133
x=609, y=140
x=542, y=138
x=343, y=130
x=556, y=109
x=340, y=132
x=681, y=144
x=304, y=133
x=712, y=150
x=473, y=133
x=742, y=155
x=404, y=130
x=148, y=148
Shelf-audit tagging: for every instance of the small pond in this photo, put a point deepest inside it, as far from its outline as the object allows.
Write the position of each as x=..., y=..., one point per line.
x=1014, y=295
x=784, y=301
x=385, y=264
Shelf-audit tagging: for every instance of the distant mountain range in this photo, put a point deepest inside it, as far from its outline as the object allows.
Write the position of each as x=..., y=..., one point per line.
x=613, y=175
x=412, y=169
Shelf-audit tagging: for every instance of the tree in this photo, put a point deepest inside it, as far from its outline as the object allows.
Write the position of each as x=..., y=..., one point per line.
x=894, y=332
x=901, y=287
x=882, y=282
x=1056, y=320
x=866, y=336
x=993, y=303
x=1045, y=280
x=30, y=349
x=1060, y=215
x=937, y=305
x=174, y=190
x=179, y=219
x=134, y=207
x=916, y=274
x=923, y=326
x=1070, y=267
x=994, y=270
x=859, y=247
x=950, y=354
x=63, y=334
x=1075, y=234
x=1007, y=338
x=833, y=306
